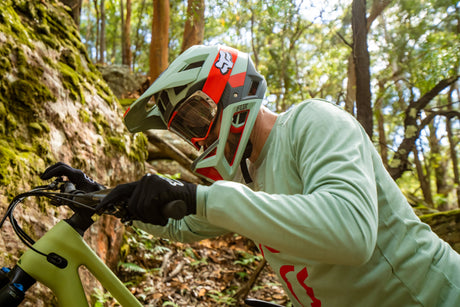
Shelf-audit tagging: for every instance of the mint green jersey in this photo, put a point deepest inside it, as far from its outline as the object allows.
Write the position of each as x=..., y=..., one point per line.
x=328, y=218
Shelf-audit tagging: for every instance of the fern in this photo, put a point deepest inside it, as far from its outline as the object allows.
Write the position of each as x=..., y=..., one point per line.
x=132, y=267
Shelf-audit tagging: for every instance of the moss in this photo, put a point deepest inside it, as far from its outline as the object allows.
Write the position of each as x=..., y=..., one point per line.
x=29, y=93
x=117, y=142
x=139, y=151
x=35, y=127
x=45, y=126
x=10, y=24
x=3, y=111
x=15, y=164
x=126, y=101
x=84, y=116
x=428, y=218
x=69, y=59
x=107, y=96
x=71, y=81
x=28, y=90
x=5, y=65
x=10, y=122
x=24, y=148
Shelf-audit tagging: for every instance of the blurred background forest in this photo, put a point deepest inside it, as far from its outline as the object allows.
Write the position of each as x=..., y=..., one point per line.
x=393, y=64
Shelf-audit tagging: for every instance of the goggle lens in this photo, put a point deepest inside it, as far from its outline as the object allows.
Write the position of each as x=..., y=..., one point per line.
x=193, y=119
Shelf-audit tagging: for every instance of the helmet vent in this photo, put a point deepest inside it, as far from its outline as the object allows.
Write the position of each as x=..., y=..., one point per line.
x=240, y=118
x=163, y=101
x=254, y=87
x=179, y=89
x=193, y=65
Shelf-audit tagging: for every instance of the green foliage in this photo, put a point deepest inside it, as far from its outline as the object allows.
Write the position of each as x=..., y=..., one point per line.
x=132, y=267
x=223, y=298
x=196, y=260
x=303, y=49
x=247, y=259
x=101, y=297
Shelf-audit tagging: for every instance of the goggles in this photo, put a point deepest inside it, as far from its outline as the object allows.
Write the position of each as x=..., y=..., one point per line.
x=194, y=118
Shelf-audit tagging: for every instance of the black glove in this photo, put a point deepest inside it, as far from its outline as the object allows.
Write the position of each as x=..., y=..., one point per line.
x=148, y=197
x=77, y=177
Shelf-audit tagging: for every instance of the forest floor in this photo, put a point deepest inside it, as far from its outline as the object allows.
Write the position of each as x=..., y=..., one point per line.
x=207, y=273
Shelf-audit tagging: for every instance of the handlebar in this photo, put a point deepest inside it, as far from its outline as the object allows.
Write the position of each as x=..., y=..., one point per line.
x=84, y=205
x=80, y=201
x=175, y=209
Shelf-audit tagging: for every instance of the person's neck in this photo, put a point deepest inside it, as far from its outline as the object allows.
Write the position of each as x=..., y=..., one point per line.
x=262, y=127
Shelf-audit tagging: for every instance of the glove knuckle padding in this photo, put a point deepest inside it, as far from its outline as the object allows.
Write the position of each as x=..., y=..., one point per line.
x=76, y=176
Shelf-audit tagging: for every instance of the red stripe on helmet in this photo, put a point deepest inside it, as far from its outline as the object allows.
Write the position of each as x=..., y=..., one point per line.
x=220, y=73
x=126, y=112
x=237, y=80
x=209, y=172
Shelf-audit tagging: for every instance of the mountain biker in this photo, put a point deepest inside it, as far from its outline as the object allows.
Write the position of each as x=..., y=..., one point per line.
x=307, y=186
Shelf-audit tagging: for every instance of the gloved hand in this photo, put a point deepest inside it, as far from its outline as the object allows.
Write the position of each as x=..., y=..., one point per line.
x=77, y=177
x=147, y=198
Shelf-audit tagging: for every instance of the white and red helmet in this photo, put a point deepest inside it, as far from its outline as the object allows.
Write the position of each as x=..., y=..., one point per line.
x=203, y=83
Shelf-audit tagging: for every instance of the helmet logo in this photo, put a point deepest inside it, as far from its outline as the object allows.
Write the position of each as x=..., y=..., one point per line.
x=225, y=63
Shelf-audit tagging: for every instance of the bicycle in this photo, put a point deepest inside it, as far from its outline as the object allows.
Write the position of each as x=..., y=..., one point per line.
x=55, y=258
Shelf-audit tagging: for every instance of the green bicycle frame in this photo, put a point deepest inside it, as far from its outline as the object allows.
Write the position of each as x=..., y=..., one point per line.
x=65, y=283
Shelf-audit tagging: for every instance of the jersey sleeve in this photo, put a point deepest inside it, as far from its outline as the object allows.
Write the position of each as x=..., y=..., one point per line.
x=334, y=218
x=189, y=229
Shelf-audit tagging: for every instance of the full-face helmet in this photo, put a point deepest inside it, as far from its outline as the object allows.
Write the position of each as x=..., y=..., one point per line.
x=204, y=85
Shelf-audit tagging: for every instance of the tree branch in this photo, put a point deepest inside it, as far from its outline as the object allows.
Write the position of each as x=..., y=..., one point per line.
x=400, y=162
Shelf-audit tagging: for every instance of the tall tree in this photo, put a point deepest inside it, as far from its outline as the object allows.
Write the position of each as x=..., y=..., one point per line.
x=452, y=145
x=102, y=43
x=98, y=28
x=158, y=58
x=75, y=7
x=126, y=54
x=194, y=25
x=138, y=38
x=361, y=60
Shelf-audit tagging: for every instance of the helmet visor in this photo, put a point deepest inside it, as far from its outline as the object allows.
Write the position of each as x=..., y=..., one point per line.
x=194, y=118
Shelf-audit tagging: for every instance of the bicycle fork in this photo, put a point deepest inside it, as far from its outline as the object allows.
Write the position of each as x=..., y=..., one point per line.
x=13, y=285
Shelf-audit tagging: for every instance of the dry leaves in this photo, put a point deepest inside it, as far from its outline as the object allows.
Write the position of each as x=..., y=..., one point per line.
x=207, y=273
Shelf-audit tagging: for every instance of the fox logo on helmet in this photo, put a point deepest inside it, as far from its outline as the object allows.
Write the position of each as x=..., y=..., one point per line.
x=225, y=63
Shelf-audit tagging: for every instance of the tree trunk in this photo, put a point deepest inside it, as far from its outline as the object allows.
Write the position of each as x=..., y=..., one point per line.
x=382, y=140
x=194, y=25
x=97, y=40
x=75, y=6
x=138, y=39
x=158, y=59
x=439, y=166
x=361, y=61
x=125, y=34
x=102, y=45
x=423, y=178
x=452, y=145
x=377, y=8
x=350, y=97
x=89, y=32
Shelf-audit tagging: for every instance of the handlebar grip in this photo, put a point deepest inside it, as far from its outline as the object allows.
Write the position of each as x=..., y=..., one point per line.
x=175, y=209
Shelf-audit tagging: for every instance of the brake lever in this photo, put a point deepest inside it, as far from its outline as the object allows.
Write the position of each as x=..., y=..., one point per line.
x=175, y=209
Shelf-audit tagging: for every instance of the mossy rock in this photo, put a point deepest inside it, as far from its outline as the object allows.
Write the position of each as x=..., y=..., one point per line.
x=446, y=225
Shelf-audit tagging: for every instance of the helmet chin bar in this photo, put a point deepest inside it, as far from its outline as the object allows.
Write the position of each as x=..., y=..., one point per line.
x=211, y=173
x=213, y=163
x=204, y=167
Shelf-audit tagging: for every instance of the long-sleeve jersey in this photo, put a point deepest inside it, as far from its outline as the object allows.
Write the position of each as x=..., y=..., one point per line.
x=328, y=218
